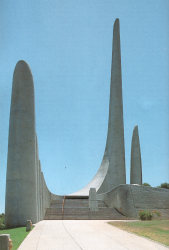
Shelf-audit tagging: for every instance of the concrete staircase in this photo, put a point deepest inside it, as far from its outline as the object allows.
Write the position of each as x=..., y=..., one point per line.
x=77, y=208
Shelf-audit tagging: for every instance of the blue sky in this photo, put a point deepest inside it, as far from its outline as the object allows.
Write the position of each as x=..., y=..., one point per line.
x=68, y=47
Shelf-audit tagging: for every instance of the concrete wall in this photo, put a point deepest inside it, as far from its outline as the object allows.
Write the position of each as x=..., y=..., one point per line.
x=130, y=199
x=148, y=197
x=121, y=198
x=46, y=196
x=37, y=180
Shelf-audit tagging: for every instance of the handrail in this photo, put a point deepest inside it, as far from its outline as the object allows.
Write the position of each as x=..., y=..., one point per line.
x=63, y=203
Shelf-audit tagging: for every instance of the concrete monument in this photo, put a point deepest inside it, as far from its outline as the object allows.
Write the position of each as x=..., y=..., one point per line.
x=136, y=165
x=107, y=196
x=23, y=172
x=21, y=198
x=112, y=170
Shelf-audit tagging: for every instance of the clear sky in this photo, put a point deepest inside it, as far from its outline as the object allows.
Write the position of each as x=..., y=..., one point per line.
x=68, y=46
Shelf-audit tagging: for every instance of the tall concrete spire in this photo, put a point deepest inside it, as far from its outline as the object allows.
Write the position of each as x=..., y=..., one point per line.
x=21, y=189
x=112, y=170
x=136, y=166
x=115, y=137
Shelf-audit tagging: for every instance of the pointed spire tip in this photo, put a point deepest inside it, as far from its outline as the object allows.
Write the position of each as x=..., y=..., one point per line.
x=117, y=22
x=135, y=130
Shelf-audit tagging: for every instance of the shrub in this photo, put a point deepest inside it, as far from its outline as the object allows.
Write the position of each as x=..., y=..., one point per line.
x=145, y=215
x=157, y=213
x=2, y=226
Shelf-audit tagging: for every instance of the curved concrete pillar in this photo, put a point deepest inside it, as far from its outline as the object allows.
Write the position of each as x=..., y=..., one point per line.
x=112, y=170
x=136, y=165
x=21, y=195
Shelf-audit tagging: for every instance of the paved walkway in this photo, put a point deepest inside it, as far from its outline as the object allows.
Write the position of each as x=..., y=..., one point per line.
x=84, y=235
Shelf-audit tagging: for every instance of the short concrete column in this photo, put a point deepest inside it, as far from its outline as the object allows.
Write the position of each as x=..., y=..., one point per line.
x=28, y=225
x=5, y=242
x=93, y=204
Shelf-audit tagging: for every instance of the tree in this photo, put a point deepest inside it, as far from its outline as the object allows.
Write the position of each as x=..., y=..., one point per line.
x=146, y=184
x=164, y=185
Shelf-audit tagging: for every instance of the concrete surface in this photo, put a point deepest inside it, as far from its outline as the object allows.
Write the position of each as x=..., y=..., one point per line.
x=112, y=170
x=21, y=197
x=135, y=164
x=27, y=196
x=130, y=199
x=84, y=235
x=4, y=241
x=93, y=203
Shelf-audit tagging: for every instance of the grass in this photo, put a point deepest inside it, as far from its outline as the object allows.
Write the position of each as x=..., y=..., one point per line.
x=16, y=234
x=157, y=230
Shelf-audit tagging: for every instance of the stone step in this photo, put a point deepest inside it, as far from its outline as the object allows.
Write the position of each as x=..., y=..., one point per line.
x=75, y=211
x=85, y=217
x=69, y=200
x=78, y=209
x=74, y=203
x=82, y=213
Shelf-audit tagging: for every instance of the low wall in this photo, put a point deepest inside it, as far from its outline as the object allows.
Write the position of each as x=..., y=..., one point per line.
x=130, y=199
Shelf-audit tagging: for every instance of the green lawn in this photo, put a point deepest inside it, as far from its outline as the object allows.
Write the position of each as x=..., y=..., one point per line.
x=17, y=235
x=157, y=230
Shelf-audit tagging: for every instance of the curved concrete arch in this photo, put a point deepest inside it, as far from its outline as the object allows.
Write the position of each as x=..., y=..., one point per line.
x=112, y=170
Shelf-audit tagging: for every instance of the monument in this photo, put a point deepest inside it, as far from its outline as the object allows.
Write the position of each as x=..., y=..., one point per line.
x=136, y=165
x=112, y=170
x=107, y=196
x=24, y=180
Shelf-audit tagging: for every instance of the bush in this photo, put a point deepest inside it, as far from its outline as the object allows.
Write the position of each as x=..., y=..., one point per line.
x=164, y=185
x=2, y=226
x=145, y=215
x=157, y=213
x=2, y=221
x=146, y=184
